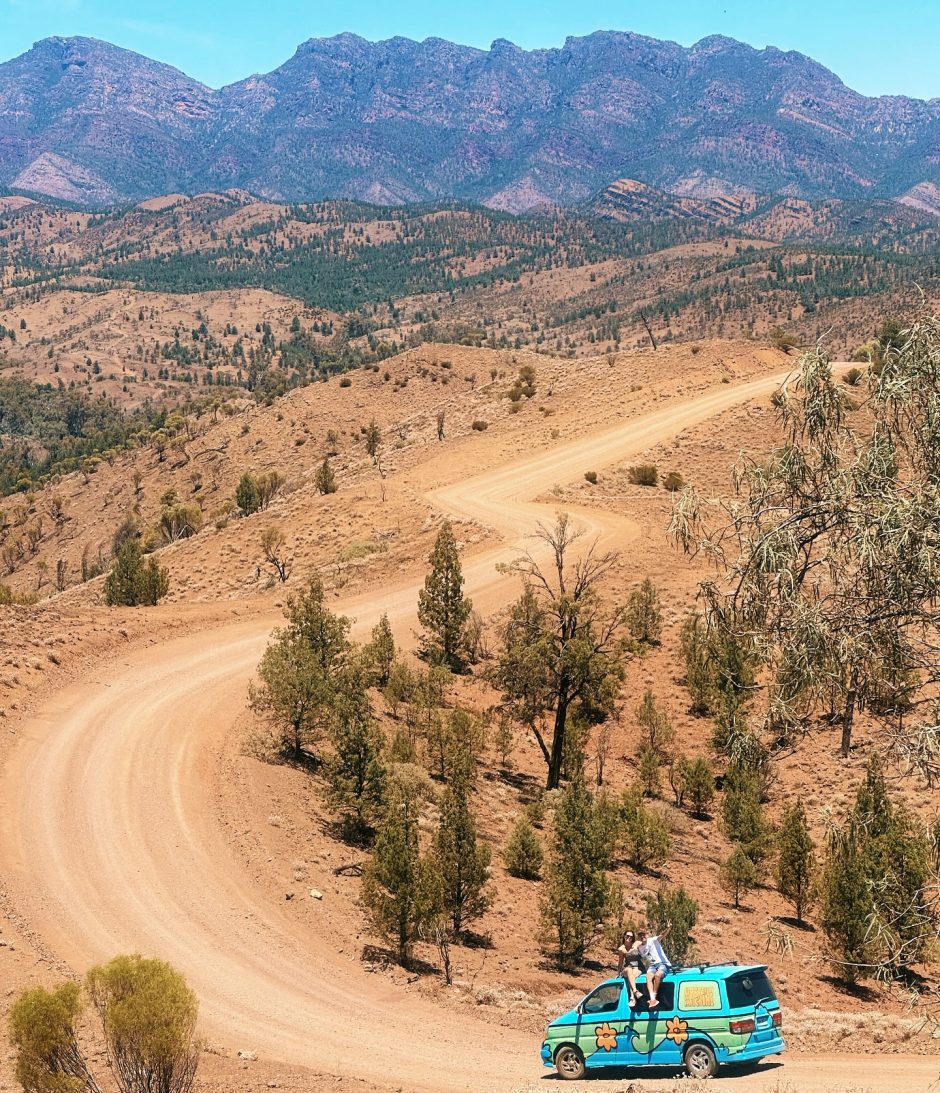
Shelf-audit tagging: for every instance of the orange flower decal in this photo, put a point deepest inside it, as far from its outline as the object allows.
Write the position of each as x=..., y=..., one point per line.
x=677, y=1030
x=606, y=1037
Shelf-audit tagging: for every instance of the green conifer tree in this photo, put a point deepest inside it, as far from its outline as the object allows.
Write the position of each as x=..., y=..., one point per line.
x=463, y=863
x=796, y=859
x=443, y=610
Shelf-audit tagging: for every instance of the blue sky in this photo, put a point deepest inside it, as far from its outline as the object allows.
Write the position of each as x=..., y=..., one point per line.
x=876, y=47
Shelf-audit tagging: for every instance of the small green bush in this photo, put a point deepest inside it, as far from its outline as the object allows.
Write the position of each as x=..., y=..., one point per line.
x=643, y=474
x=523, y=853
x=591, y=477
x=345, y=381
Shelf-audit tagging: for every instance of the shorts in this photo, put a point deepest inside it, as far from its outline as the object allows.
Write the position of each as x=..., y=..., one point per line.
x=654, y=968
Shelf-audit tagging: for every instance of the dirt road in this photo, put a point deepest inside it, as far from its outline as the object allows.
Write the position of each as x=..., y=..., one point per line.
x=111, y=841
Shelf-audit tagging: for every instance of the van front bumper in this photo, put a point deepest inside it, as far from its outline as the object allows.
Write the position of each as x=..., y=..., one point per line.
x=546, y=1054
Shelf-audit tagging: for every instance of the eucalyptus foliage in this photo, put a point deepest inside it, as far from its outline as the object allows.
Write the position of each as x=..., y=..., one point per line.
x=829, y=551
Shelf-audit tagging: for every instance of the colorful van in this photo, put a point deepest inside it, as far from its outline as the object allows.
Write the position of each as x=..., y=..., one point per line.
x=708, y=1016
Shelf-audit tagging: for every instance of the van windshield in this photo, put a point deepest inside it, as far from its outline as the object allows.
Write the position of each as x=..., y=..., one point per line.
x=748, y=989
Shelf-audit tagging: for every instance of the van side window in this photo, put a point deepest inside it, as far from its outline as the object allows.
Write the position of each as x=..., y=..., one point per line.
x=605, y=999
x=667, y=999
x=699, y=994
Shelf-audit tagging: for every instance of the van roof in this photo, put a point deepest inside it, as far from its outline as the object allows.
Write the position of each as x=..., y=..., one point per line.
x=711, y=971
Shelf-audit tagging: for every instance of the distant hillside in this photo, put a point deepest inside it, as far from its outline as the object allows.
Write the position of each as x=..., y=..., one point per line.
x=400, y=121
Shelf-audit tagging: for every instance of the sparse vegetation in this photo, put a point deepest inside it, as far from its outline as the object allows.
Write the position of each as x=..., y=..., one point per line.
x=643, y=474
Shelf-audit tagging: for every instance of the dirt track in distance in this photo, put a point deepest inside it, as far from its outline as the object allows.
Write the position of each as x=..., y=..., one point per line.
x=111, y=841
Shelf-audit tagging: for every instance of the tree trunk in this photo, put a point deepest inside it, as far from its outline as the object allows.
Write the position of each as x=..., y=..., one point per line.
x=558, y=744
x=848, y=718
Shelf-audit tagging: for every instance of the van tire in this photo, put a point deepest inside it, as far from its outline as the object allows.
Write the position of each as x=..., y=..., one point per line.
x=700, y=1061
x=569, y=1062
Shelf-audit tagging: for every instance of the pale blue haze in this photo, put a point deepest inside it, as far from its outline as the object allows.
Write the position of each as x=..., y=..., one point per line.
x=875, y=47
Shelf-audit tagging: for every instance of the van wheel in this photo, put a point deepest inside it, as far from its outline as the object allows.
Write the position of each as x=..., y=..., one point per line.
x=700, y=1061
x=569, y=1062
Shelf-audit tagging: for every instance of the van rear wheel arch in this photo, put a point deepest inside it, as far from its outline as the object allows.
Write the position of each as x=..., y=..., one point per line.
x=700, y=1059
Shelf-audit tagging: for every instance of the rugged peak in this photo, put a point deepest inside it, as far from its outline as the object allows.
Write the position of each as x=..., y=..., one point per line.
x=401, y=120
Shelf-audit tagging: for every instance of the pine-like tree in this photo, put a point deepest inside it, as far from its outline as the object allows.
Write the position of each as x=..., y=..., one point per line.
x=875, y=906
x=644, y=616
x=443, y=610
x=577, y=887
x=400, y=889
x=742, y=813
x=699, y=664
x=463, y=863
x=380, y=652
x=355, y=772
x=796, y=859
x=738, y=875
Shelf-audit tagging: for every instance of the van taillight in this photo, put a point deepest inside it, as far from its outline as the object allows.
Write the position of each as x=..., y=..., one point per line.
x=777, y=1018
x=745, y=1025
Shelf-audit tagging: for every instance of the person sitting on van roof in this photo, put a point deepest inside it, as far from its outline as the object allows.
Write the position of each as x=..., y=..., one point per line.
x=657, y=963
x=629, y=962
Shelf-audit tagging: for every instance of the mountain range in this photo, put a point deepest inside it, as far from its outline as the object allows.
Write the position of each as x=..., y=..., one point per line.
x=400, y=121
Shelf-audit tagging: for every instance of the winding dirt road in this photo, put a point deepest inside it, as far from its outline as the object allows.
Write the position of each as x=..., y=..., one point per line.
x=111, y=842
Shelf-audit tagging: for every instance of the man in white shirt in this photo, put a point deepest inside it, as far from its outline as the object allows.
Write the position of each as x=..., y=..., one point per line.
x=657, y=963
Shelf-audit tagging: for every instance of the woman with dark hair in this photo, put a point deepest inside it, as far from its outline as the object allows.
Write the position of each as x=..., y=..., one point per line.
x=629, y=962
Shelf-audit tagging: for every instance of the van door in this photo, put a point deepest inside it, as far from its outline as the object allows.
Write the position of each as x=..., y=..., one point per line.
x=601, y=1026
x=645, y=1043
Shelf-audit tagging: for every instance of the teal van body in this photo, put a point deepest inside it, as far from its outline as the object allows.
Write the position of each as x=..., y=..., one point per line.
x=708, y=1016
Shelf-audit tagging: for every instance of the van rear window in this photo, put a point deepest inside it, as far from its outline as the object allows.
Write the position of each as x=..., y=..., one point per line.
x=747, y=989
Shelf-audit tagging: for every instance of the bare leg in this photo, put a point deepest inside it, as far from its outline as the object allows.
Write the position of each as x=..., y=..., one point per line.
x=654, y=982
x=632, y=976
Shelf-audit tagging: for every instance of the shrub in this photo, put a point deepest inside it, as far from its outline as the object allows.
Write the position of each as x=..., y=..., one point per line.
x=673, y=482
x=42, y=1032
x=781, y=339
x=853, y=377
x=523, y=853
x=591, y=476
x=675, y=908
x=658, y=732
x=479, y=426
x=345, y=381
x=648, y=770
x=149, y=1018
x=247, y=495
x=643, y=474
x=699, y=785
x=131, y=582
x=644, y=618
x=324, y=478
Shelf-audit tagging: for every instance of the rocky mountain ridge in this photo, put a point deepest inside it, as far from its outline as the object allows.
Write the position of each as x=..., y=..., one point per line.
x=399, y=121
